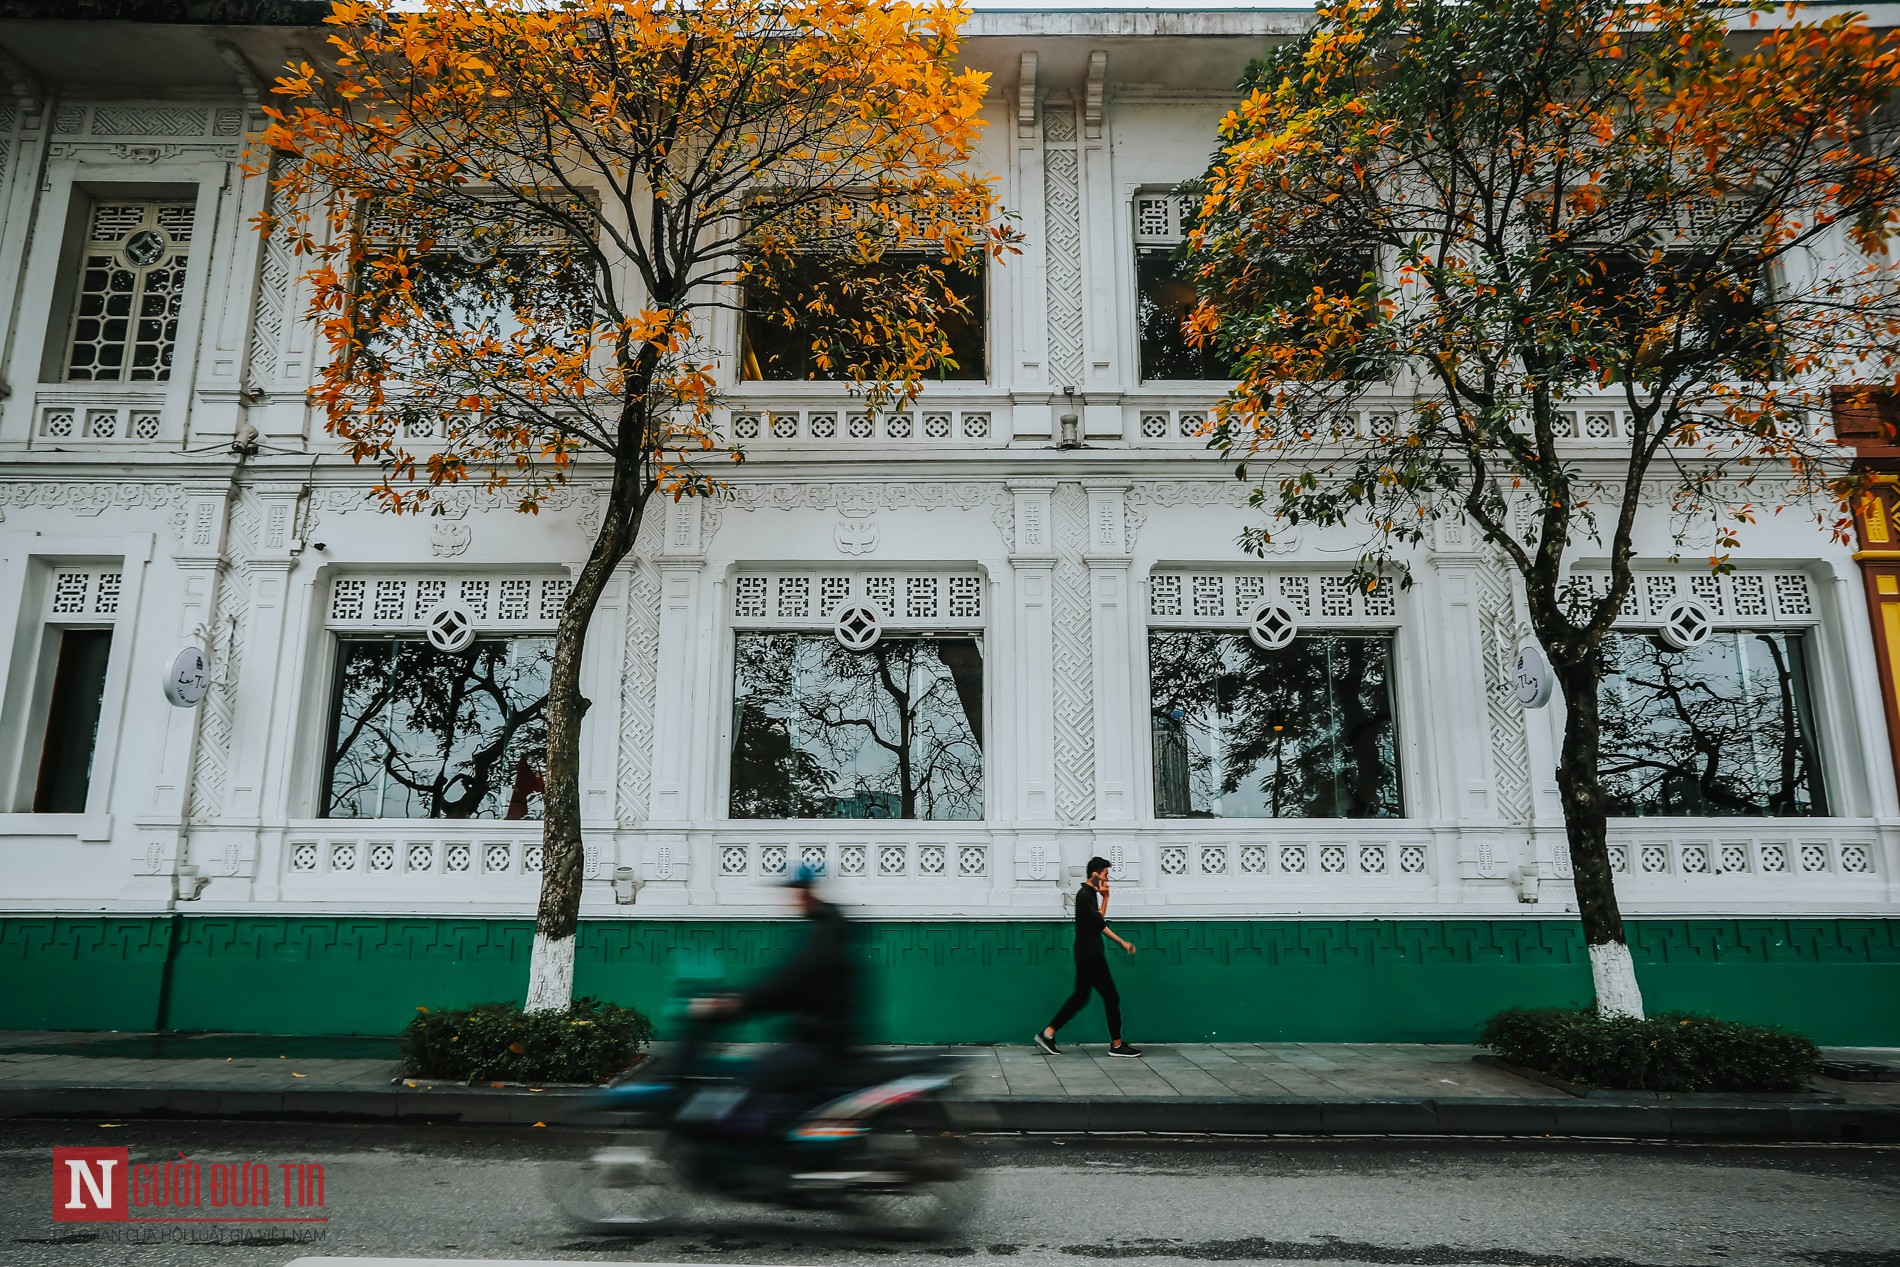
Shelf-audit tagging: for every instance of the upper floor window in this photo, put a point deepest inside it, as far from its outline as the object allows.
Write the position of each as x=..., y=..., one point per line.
x=496, y=273
x=131, y=286
x=1707, y=704
x=440, y=704
x=858, y=697
x=780, y=307
x=1165, y=294
x=1166, y=290
x=1272, y=697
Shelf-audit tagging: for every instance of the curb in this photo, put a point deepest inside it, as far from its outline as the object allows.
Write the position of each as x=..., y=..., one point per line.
x=1710, y=1118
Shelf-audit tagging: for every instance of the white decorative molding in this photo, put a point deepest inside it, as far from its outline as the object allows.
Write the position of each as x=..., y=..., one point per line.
x=1504, y=716
x=1092, y=97
x=1074, y=687
x=448, y=540
x=1062, y=237
x=88, y=499
x=855, y=535
x=1026, y=96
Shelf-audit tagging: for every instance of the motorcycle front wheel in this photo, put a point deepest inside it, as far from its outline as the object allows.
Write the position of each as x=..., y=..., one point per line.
x=620, y=1189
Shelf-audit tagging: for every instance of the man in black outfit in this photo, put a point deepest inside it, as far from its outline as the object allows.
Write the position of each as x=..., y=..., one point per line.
x=1091, y=964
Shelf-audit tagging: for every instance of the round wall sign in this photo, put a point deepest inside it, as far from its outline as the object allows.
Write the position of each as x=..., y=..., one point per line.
x=1534, y=679
x=187, y=678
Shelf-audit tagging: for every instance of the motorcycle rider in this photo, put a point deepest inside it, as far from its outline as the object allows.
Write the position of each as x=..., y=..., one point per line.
x=818, y=989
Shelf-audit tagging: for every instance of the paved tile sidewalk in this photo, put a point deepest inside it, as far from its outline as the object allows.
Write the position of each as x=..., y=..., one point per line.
x=1322, y=1072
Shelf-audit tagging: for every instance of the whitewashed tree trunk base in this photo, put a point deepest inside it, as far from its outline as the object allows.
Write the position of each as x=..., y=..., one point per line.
x=1615, y=975
x=551, y=974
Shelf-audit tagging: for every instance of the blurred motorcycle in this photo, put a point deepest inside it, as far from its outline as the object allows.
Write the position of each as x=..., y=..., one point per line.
x=882, y=1143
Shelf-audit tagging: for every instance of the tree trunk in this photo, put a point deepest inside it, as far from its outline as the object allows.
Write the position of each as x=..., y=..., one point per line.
x=551, y=968
x=1586, y=826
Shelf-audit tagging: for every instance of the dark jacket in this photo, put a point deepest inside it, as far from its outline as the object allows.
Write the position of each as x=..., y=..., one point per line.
x=1089, y=924
x=817, y=987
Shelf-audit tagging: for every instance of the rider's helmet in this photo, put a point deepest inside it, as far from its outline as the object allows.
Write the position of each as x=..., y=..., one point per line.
x=803, y=876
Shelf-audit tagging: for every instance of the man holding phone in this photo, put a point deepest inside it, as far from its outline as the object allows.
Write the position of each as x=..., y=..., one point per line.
x=1091, y=964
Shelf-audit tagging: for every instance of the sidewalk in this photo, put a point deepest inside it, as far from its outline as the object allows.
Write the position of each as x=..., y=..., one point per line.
x=1228, y=1088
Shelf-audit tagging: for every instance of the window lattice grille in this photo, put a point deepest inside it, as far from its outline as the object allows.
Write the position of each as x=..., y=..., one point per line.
x=84, y=592
x=927, y=599
x=398, y=602
x=1735, y=598
x=1206, y=599
x=131, y=286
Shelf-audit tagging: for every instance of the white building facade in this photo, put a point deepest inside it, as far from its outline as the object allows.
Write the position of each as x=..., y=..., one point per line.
x=1051, y=555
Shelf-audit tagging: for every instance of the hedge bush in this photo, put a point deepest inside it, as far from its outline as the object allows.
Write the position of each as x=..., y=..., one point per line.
x=1671, y=1052
x=498, y=1042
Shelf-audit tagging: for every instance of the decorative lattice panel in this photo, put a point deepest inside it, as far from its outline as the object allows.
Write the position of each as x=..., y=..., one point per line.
x=510, y=604
x=1213, y=599
x=913, y=600
x=1738, y=598
x=89, y=594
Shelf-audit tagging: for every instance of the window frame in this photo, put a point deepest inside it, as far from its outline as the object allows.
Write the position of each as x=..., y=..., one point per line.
x=987, y=283
x=1838, y=713
x=1383, y=616
x=26, y=676
x=730, y=625
x=329, y=629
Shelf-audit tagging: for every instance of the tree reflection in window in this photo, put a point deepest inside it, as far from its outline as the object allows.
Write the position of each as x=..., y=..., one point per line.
x=1303, y=732
x=892, y=732
x=1722, y=729
x=422, y=733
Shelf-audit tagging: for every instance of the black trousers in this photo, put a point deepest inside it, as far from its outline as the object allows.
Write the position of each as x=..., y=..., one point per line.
x=1092, y=974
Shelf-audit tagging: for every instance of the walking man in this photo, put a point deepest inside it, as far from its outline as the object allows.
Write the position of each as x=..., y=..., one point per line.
x=1091, y=964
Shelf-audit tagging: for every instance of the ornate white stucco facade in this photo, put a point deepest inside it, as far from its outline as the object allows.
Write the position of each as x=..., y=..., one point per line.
x=1077, y=554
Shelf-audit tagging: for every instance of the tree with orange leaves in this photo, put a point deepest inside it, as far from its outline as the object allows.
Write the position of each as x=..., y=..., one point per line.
x=520, y=219
x=1678, y=213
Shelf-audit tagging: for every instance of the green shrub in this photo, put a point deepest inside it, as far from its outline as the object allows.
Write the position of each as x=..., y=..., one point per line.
x=498, y=1042
x=1671, y=1052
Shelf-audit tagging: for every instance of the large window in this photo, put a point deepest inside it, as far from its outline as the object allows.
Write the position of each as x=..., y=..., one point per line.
x=1166, y=291
x=1724, y=728
x=1303, y=731
x=782, y=311
x=421, y=733
x=130, y=288
x=823, y=731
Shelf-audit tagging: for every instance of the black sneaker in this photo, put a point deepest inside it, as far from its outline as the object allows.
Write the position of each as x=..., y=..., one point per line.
x=1123, y=1049
x=1048, y=1045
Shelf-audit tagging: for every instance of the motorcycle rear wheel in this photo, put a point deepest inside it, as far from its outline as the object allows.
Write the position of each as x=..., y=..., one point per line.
x=927, y=1143
x=617, y=1190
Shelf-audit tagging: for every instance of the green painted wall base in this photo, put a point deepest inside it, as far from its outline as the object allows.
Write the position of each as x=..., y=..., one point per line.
x=1278, y=980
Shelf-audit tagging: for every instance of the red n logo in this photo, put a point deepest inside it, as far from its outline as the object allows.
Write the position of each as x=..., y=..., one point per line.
x=89, y=1185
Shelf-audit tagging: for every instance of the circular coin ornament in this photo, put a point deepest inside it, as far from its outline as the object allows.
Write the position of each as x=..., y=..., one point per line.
x=187, y=678
x=1687, y=624
x=857, y=627
x=1272, y=625
x=1534, y=679
x=449, y=627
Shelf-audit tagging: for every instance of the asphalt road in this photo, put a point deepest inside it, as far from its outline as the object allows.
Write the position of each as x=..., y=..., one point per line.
x=475, y=1193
